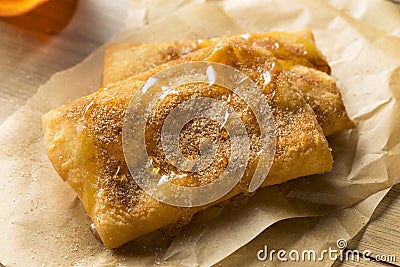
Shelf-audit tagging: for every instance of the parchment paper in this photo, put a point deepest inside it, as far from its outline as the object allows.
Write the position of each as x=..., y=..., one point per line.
x=380, y=14
x=42, y=222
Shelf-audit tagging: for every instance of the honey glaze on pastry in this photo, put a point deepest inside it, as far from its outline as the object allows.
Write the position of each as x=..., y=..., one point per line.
x=304, y=68
x=84, y=139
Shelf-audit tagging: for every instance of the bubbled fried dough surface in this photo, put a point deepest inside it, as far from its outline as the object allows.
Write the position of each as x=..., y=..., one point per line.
x=83, y=141
x=304, y=67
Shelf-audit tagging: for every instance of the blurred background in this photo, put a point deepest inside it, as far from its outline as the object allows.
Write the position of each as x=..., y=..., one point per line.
x=54, y=36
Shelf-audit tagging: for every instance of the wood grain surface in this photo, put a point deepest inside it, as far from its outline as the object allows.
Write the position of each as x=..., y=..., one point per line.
x=61, y=33
x=51, y=38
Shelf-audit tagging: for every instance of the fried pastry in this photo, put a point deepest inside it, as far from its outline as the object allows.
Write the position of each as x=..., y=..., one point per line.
x=305, y=68
x=84, y=141
x=124, y=60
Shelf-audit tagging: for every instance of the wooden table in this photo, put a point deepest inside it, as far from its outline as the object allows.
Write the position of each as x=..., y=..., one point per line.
x=61, y=33
x=53, y=37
